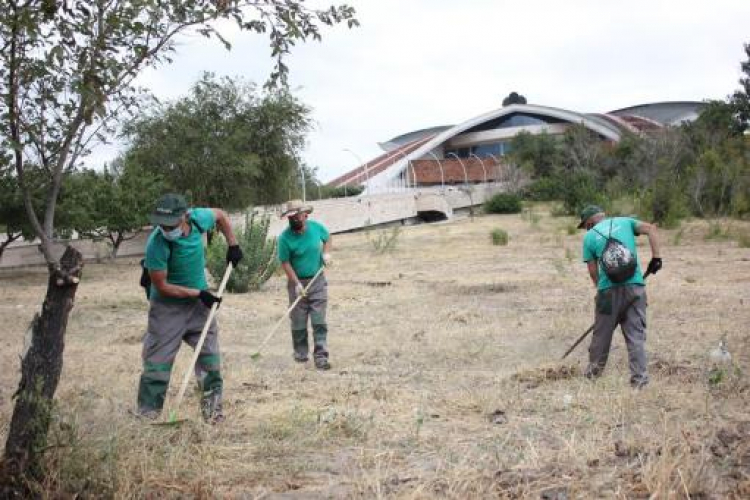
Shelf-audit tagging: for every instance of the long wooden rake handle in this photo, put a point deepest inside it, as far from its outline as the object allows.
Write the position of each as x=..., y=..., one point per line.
x=201, y=340
x=281, y=319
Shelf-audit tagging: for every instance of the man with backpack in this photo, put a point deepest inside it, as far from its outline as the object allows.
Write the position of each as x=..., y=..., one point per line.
x=609, y=250
x=179, y=302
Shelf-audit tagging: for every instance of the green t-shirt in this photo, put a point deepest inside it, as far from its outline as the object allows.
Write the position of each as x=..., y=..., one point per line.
x=623, y=229
x=183, y=259
x=303, y=250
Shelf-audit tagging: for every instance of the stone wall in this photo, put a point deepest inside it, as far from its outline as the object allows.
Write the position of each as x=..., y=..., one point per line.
x=338, y=214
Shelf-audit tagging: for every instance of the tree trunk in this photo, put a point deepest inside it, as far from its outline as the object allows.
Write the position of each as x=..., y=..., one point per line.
x=40, y=372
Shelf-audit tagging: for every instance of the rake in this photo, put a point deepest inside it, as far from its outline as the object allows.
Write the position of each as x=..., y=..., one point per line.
x=585, y=334
x=255, y=355
x=172, y=414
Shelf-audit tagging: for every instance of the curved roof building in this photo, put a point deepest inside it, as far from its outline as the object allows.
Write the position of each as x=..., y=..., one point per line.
x=472, y=151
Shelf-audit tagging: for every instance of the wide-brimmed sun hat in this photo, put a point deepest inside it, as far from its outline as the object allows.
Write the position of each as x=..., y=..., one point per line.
x=589, y=212
x=169, y=210
x=294, y=207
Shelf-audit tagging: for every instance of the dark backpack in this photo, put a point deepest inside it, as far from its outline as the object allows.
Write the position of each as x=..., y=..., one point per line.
x=145, y=280
x=617, y=260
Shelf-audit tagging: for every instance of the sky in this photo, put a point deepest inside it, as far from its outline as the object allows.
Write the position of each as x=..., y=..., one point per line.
x=414, y=64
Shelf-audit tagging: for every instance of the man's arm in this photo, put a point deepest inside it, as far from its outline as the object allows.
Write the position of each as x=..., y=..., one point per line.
x=222, y=222
x=290, y=274
x=166, y=289
x=653, y=238
x=593, y=266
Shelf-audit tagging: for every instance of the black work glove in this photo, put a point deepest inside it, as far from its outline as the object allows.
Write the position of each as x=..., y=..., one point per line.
x=234, y=255
x=654, y=265
x=208, y=298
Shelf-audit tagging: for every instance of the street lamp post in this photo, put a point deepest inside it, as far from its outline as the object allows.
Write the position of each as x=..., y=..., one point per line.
x=497, y=163
x=466, y=176
x=367, y=172
x=442, y=173
x=481, y=163
x=408, y=164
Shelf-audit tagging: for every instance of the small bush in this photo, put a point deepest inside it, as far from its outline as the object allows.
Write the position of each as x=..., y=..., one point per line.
x=259, y=261
x=743, y=240
x=717, y=231
x=385, y=240
x=544, y=189
x=499, y=237
x=580, y=189
x=503, y=203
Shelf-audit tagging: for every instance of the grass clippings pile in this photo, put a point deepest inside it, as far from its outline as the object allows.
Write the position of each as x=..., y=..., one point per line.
x=446, y=379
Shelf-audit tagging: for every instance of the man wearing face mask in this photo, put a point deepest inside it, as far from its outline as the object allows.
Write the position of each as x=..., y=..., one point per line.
x=179, y=302
x=303, y=248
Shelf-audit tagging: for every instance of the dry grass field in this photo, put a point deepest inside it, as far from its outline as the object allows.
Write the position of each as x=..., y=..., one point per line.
x=446, y=378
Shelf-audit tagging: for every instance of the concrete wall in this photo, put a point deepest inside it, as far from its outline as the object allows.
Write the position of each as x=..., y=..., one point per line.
x=338, y=214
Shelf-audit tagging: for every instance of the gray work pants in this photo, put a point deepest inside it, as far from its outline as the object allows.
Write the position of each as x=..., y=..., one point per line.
x=313, y=307
x=169, y=325
x=625, y=306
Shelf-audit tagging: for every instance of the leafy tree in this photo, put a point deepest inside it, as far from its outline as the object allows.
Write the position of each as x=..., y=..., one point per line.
x=514, y=98
x=225, y=143
x=66, y=71
x=540, y=153
x=12, y=212
x=741, y=98
x=112, y=204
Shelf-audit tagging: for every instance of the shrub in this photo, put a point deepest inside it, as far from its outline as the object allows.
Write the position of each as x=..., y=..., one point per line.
x=544, y=189
x=503, y=203
x=499, y=237
x=580, y=189
x=665, y=203
x=743, y=239
x=385, y=240
x=259, y=261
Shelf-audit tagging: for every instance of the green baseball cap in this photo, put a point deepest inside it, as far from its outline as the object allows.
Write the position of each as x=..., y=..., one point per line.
x=589, y=212
x=169, y=210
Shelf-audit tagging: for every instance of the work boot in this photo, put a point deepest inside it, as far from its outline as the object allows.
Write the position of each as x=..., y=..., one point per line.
x=211, y=407
x=321, y=362
x=301, y=348
x=320, y=332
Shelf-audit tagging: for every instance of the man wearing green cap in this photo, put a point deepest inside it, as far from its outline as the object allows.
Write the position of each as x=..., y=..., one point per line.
x=304, y=248
x=180, y=302
x=621, y=295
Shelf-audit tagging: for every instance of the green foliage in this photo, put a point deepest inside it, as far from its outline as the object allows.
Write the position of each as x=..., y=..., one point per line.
x=665, y=203
x=544, y=189
x=499, y=237
x=580, y=189
x=112, y=204
x=540, y=153
x=384, y=240
x=503, y=203
x=341, y=192
x=740, y=100
x=67, y=71
x=717, y=231
x=225, y=143
x=259, y=261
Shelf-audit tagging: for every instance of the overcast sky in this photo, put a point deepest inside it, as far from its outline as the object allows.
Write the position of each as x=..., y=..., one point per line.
x=418, y=63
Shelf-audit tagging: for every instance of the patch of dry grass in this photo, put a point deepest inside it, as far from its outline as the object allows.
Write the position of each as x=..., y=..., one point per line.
x=446, y=379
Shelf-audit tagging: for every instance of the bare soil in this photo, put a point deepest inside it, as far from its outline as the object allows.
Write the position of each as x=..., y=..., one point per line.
x=446, y=379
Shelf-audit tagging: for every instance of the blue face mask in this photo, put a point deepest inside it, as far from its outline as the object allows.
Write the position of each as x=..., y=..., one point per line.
x=172, y=235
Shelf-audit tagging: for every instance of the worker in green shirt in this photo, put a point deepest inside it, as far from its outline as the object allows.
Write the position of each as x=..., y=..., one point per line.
x=304, y=247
